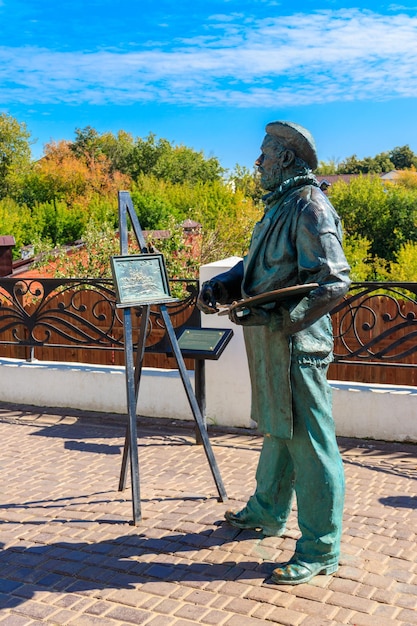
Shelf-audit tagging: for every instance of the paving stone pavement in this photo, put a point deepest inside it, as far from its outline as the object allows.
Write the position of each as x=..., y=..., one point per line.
x=69, y=554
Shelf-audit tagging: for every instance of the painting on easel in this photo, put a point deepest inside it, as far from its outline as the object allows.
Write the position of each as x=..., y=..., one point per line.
x=140, y=280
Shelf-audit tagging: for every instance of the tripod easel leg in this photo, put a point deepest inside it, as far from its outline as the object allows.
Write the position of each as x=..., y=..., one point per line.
x=138, y=371
x=131, y=434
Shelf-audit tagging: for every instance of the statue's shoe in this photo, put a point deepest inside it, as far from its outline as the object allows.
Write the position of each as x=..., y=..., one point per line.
x=245, y=519
x=295, y=572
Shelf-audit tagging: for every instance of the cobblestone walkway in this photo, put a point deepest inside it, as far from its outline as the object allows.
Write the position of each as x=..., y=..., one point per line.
x=69, y=554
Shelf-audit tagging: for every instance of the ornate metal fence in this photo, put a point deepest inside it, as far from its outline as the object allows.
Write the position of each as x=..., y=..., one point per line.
x=375, y=326
x=77, y=320
x=375, y=329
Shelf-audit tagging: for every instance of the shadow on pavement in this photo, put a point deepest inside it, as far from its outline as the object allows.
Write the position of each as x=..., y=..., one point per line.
x=122, y=563
x=405, y=502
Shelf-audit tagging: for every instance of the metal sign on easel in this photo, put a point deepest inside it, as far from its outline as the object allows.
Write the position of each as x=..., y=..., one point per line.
x=141, y=280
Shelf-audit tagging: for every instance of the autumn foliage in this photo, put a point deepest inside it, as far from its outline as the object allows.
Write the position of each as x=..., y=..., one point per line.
x=70, y=195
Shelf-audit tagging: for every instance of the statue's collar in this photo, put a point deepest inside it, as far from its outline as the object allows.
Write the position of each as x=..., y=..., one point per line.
x=290, y=183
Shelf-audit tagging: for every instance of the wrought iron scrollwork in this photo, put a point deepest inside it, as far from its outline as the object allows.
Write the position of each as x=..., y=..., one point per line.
x=53, y=312
x=376, y=323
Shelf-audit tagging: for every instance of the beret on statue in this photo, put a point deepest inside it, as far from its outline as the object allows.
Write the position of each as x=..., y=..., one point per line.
x=296, y=138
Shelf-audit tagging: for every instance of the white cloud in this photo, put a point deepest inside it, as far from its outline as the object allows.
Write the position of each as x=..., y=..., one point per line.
x=303, y=59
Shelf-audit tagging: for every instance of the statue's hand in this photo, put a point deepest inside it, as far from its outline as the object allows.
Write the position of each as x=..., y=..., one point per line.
x=258, y=317
x=207, y=298
x=250, y=317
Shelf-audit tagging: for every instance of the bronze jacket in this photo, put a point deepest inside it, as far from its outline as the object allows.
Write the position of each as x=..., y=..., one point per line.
x=298, y=241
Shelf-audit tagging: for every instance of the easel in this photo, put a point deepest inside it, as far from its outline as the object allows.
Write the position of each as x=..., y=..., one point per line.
x=134, y=370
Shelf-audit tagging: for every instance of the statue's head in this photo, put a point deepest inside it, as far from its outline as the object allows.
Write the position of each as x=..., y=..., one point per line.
x=287, y=150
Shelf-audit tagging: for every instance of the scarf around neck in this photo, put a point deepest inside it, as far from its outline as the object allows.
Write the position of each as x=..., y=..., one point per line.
x=291, y=183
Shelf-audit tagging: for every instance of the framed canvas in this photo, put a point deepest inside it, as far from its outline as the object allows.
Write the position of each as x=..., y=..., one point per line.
x=140, y=279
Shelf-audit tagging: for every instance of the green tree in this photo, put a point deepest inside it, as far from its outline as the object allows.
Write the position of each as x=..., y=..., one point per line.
x=382, y=163
x=328, y=168
x=57, y=223
x=247, y=182
x=386, y=215
x=15, y=154
x=15, y=220
x=407, y=179
x=153, y=210
x=181, y=253
x=230, y=235
x=89, y=145
x=404, y=268
x=403, y=158
x=350, y=165
x=402, y=221
x=356, y=249
x=175, y=164
x=399, y=158
x=378, y=164
x=184, y=165
x=205, y=202
x=86, y=143
x=92, y=260
x=227, y=216
x=118, y=149
x=145, y=155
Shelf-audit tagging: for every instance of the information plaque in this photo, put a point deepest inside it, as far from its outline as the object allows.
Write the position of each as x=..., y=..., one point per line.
x=204, y=343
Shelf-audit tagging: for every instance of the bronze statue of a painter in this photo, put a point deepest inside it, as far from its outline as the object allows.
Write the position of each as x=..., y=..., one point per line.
x=289, y=345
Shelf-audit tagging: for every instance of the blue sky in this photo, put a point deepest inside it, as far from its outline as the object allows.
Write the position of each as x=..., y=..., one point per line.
x=211, y=74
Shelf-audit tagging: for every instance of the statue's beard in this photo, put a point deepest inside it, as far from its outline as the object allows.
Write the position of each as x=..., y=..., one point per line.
x=273, y=179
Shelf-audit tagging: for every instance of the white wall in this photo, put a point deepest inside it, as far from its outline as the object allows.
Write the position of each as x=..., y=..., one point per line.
x=386, y=412
x=227, y=380
x=92, y=388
